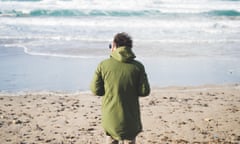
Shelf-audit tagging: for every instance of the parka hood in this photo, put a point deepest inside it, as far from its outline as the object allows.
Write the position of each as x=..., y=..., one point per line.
x=123, y=54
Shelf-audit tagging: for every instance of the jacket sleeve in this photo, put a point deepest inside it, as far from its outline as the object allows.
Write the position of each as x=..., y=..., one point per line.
x=97, y=84
x=144, y=87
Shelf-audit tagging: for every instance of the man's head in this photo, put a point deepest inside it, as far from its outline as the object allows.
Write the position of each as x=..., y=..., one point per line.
x=122, y=39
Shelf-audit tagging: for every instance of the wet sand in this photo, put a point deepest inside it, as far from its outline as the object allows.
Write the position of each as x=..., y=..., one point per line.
x=203, y=114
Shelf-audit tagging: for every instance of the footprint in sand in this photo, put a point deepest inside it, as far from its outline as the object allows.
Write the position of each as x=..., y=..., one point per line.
x=39, y=138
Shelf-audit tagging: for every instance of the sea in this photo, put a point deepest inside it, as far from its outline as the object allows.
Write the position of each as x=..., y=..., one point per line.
x=55, y=45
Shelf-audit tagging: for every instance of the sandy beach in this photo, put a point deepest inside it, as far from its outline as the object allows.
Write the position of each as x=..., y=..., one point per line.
x=203, y=114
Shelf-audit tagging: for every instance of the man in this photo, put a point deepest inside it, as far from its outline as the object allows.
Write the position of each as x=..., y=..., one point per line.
x=121, y=80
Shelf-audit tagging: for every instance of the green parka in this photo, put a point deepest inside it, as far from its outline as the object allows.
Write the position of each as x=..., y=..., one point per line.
x=121, y=80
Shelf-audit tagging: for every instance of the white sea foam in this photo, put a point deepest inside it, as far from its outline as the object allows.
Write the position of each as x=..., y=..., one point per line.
x=29, y=52
x=46, y=32
x=172, y=6
x=131, y=23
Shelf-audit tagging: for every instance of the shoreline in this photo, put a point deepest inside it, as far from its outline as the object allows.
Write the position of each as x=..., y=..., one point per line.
x=176, y=114
x=88, y=92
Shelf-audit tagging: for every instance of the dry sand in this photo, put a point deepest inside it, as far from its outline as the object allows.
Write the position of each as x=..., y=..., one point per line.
x=205, y=114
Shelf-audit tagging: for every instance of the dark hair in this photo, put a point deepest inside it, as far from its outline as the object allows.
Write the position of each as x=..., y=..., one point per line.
x=123, y=39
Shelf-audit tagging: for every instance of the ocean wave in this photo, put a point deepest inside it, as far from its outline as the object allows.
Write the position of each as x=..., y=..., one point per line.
x=231, y=0
x=16, y=39
x=22, y=0
x=223, y=13
x=29, y=52
x=112, y=13
x=89, y=55
x=75, y=12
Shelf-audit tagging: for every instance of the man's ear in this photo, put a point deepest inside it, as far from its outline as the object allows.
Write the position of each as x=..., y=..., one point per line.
x=114, y=45
x=113, y=49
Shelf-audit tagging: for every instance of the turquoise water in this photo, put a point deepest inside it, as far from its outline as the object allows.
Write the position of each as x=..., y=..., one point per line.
x=182, y=42
x=112, y=13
